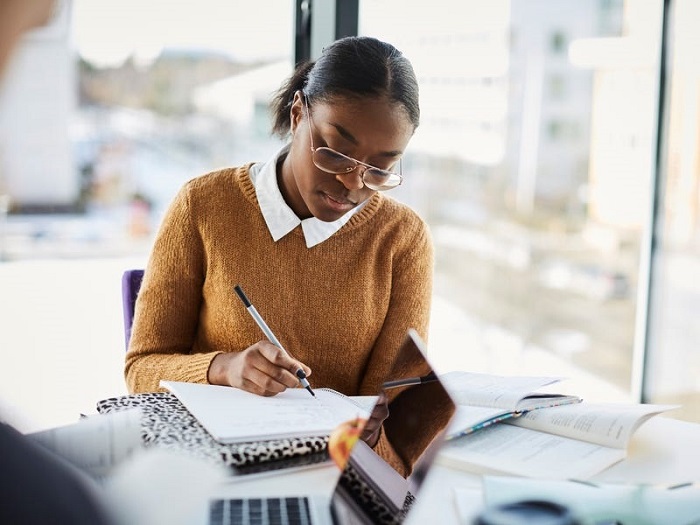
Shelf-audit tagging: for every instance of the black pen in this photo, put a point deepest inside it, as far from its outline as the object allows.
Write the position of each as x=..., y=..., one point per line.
x=271, y=336
x=428, y=378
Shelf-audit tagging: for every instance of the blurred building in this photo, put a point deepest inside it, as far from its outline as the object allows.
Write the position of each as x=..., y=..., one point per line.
x=37, y=101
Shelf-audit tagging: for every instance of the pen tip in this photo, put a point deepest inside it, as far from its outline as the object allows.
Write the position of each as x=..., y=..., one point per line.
x=242, y=295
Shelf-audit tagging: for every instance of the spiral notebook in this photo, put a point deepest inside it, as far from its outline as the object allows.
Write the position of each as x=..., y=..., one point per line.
x=232, y=415
x=167, y=424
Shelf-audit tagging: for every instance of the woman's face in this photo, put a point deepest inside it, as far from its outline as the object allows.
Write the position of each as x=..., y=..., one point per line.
x=372, y=130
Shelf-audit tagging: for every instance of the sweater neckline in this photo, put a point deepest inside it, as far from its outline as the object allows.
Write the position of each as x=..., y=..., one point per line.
x=366, y=213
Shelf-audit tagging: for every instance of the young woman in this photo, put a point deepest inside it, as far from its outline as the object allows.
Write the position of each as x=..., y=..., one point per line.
x=338, y=269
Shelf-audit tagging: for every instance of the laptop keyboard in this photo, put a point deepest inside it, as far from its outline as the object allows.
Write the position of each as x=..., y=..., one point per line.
x=256, y=511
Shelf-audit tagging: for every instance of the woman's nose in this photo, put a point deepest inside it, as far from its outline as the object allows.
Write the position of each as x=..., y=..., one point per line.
x=353, y=179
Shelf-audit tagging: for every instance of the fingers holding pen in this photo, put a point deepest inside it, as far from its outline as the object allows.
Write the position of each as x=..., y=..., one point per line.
x=278, y=356
x=281, y=359
x=261, y=369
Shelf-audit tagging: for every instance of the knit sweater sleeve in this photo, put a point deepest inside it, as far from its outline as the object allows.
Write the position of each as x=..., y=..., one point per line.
x=168, y=304
x=411, y=294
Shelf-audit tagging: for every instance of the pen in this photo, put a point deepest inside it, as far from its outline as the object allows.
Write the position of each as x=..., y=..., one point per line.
x=271, y=336
x=428, y=378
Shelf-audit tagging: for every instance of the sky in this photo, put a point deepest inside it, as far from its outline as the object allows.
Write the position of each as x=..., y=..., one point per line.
x=106, y=32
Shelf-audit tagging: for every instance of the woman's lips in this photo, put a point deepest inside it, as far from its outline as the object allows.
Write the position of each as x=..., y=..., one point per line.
x=338, y=203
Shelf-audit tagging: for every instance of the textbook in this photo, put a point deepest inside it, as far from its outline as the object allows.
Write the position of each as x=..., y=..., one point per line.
x=232, y=415
x=573, y=441
x=484, y=399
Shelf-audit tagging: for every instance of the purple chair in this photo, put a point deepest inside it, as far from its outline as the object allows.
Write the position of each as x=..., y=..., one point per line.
x=131, y=282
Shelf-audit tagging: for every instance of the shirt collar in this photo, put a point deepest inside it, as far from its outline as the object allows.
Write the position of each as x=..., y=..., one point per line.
x=279, y=217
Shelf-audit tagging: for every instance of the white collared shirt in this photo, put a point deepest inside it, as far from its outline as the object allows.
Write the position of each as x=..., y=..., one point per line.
x=279, y=216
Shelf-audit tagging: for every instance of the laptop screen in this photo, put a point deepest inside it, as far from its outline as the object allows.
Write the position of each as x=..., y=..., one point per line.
x=379, y=484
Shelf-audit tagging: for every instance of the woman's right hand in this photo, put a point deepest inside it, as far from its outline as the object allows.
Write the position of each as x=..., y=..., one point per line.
x=262, y=369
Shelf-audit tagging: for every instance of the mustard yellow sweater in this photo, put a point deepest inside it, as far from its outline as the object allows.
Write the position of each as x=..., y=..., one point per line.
x=342, y=307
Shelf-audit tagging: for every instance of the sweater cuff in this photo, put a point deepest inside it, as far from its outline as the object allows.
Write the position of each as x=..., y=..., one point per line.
x=198, y=365
x=207, y=365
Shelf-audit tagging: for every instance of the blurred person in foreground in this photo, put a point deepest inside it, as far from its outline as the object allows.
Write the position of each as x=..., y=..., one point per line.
x=35, y=485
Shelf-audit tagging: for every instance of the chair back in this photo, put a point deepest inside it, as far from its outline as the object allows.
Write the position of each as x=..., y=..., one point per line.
x=131, y=282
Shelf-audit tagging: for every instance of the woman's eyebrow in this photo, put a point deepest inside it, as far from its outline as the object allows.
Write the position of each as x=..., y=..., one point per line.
x=351, y=138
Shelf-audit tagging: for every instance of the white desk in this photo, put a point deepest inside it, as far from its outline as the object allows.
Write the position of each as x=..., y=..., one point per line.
x=663, y=451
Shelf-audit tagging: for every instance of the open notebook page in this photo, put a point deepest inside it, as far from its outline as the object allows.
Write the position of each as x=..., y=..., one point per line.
x=231, y=415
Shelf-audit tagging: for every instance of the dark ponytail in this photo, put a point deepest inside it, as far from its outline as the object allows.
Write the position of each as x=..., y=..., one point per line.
x=281, y=103
x=351, y=66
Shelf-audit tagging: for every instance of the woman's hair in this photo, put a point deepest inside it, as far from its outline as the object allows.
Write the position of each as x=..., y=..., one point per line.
x=351, y=67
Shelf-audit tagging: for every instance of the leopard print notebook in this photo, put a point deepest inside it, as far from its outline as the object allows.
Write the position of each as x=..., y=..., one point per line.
x=166, y=423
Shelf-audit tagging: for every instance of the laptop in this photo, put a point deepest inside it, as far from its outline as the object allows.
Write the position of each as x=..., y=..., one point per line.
x=377, y=485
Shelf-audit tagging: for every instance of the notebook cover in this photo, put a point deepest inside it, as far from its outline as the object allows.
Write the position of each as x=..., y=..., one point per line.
x=168, y=424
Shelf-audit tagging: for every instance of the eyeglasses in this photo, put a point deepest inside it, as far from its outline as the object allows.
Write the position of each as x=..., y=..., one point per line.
x=331, y=161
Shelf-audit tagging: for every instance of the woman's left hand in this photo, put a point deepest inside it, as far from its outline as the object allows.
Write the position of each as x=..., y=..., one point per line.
x=373, y=428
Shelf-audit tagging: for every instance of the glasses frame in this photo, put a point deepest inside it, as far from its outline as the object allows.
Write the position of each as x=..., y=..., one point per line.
x=392, y=175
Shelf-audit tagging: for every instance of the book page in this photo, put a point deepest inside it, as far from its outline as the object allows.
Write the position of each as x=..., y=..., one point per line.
x=524, y=452
x=467, y=388
x=95, y=444
x=232, y=415
x=610, y=425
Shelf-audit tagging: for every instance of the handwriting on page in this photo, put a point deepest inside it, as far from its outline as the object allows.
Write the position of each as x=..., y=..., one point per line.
x=231, y=415
x=287, y=413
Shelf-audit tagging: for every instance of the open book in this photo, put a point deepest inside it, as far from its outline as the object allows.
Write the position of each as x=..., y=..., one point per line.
x=232, y=415
x=564, y=442
x=484, y=399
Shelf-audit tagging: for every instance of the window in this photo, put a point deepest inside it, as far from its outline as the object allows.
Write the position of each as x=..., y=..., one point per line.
x=533, y=165
x=673, y=360
x=539, y=217
x=103, y=116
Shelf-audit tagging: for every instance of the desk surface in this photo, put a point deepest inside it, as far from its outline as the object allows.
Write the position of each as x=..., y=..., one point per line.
x=662, y=451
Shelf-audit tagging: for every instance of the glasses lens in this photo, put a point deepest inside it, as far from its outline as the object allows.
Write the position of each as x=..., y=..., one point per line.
x=332, y=161
x=376, y=179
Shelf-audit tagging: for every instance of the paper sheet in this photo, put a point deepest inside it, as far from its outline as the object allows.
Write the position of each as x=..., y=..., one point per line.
x=467, y=388
x=231, y=415
x=610, y=425
x=96, y=444
x=525, y=452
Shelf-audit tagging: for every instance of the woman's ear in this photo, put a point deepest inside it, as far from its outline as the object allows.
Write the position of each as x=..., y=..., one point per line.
x=296, y=113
